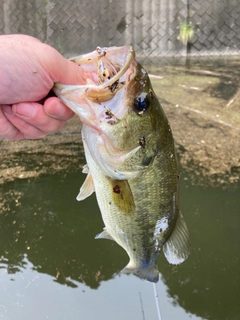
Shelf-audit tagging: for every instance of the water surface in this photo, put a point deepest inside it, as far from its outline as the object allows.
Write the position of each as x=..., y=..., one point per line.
x=52, y=268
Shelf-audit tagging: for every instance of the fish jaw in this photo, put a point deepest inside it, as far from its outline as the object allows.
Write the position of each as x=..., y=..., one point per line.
x=89, y=100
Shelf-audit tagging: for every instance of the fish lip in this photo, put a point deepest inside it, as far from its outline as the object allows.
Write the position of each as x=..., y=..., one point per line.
x=130, y=55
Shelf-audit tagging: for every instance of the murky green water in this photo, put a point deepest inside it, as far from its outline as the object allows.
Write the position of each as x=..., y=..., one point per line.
x=52, y=268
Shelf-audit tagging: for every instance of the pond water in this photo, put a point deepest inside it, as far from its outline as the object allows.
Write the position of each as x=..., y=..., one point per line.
x=52, y=268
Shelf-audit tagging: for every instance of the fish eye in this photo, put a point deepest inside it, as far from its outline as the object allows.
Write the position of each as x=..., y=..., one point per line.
x=141, y=103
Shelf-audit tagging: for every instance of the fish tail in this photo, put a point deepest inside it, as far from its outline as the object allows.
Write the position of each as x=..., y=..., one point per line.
x=149, y=272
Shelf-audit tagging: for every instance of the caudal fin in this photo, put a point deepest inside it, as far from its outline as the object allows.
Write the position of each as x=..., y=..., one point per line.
x=149, y=273
x=177, y=248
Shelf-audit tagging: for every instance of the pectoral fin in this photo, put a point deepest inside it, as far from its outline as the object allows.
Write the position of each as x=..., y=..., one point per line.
x=122, y=196
x=177, y=248
x=87, y=188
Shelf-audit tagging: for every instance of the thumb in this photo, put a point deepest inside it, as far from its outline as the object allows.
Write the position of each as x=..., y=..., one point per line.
x=63, y=70
x=70, y=73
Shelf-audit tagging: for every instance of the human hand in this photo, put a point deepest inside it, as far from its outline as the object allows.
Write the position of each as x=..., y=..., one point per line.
x=29, y=69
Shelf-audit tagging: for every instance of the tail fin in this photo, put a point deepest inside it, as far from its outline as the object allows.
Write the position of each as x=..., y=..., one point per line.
x=149, y=273
x=177, y=248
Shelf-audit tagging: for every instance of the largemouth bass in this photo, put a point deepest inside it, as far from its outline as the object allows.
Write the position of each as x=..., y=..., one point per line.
x=131, y=161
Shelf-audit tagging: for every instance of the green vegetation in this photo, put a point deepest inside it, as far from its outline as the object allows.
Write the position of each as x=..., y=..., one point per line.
x=186, y=32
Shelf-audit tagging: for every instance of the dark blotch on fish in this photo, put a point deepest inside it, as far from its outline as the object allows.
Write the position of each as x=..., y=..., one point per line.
x=113, y=87
x=116, y=189
x=108, y=113
x=142, y=142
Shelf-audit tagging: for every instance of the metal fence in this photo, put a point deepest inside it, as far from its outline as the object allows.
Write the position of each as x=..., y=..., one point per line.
x=153, y=27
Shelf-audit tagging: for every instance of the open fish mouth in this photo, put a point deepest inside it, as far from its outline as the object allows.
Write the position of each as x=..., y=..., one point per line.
x=104, y=72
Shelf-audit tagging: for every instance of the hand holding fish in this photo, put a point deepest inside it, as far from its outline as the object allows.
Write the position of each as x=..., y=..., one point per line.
x=29, y=69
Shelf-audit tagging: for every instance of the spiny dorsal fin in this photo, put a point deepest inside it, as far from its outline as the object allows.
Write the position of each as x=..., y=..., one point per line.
x=87, y=188
x=122, y=196
x=177, y=248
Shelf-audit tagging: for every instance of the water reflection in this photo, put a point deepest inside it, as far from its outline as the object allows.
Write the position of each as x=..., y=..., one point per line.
x=116, y=299
x=48, y=237
x=56, y=232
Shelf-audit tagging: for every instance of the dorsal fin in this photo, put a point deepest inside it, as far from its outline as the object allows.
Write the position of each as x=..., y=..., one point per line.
x=177, y=248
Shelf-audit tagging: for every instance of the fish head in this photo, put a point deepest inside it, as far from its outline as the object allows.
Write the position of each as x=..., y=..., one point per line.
x=110, y=89
x=104, y=72
x=118, y=108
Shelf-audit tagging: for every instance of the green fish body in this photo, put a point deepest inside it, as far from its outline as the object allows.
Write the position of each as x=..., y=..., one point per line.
x=131, y=161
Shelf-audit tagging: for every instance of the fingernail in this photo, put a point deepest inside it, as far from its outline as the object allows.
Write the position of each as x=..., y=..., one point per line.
x=7, y=110
x=25, y=109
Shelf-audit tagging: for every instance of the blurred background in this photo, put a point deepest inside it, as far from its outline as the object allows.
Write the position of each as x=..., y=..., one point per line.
x=153, y=27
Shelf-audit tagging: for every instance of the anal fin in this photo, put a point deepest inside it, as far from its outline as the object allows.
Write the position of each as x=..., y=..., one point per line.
x=104, y=235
